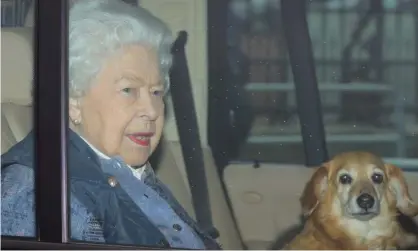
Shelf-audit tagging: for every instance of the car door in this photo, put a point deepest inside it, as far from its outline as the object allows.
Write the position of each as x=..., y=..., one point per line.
x=315, y=89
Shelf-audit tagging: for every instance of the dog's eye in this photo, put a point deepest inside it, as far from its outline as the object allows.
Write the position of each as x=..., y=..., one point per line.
x=345, y=179
x=377, y=178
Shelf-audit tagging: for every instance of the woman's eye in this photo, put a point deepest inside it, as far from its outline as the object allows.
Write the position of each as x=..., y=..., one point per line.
x=127, y=90
x=157, y=92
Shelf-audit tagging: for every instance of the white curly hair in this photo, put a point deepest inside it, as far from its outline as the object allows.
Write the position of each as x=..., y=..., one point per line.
x=100, y=28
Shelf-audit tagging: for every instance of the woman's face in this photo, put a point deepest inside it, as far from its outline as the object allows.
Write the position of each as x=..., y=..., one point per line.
x=123, y=112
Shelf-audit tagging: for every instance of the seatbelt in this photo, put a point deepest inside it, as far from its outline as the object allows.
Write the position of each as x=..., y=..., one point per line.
x=188, y=129
x=296, y=31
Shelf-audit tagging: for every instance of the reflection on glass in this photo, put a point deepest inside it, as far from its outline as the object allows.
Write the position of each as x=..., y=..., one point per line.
x=119, y=62
x=259, y=84
x=17, y=178
x=16, y=13
x=366, y=70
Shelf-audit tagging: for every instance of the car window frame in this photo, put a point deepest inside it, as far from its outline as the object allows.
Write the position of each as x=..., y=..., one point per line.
x=51, y=135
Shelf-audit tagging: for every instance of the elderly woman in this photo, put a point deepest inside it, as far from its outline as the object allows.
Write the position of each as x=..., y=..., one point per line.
x=119, y=60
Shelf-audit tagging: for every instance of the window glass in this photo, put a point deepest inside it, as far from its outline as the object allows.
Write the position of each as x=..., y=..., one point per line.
x=17, y=178
x=116, y=109
x=116, y=116
x=262, y=123
x=14, y=12
x=365, y=62
x=365, y=59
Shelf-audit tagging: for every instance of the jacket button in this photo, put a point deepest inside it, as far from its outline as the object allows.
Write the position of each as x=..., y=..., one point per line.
x=177, y=227
x=112, y=181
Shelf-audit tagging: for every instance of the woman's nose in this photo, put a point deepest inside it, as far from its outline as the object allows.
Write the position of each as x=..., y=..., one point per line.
x=148, y=107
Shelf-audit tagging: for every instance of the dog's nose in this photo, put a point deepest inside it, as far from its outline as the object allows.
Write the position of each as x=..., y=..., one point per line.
x=365, y=201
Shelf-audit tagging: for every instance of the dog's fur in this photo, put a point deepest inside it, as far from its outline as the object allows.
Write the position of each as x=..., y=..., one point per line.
x=334, y=219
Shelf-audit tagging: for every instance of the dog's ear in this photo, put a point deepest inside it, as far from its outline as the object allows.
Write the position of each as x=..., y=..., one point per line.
x=314, y=189
x=399, y=188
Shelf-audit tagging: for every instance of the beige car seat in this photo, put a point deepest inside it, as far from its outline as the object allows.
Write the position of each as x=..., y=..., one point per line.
x=16, y=112
x=16, y=81
x=171, y=171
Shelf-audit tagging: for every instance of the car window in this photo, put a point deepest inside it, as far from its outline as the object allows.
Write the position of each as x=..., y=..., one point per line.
x=91, y=198
x=365, y=63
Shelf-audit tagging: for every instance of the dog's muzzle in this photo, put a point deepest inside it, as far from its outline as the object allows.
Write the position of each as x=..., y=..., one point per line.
x=364, y=207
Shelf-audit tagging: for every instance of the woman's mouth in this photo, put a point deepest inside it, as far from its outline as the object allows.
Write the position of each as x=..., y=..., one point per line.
x=142, y=139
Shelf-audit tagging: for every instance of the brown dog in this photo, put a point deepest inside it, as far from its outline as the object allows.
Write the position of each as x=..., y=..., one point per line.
x=351, y=202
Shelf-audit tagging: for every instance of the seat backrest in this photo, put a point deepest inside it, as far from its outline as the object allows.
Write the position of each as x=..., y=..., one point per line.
x=172, y=172
x=191, y=16
x=16, y=78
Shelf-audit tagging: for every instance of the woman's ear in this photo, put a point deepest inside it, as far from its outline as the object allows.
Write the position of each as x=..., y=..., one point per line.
x=74, y=111
x=399, y=188
x=314, y=190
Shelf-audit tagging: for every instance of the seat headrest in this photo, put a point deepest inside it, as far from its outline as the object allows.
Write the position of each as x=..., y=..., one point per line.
x=17, y=64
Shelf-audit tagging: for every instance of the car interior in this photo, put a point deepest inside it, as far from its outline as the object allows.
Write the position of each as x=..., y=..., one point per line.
x=252, y=207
